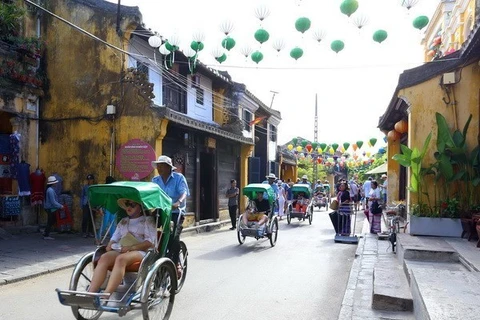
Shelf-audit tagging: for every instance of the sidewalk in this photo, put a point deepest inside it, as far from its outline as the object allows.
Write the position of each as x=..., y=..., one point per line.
x=428, y=278
x=26, y=255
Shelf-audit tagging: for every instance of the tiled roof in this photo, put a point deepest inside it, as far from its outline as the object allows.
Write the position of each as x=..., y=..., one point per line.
x=110, y=7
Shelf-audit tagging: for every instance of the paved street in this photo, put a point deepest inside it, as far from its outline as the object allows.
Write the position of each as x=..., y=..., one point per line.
x=303, y=277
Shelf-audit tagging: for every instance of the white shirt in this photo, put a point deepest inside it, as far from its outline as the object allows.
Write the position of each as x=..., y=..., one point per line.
x=374, y=193
x=142, y=228
x=367, y=186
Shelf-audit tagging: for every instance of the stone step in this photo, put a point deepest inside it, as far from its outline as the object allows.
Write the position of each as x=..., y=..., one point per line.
x=409, y=265
x=391, y=291
x=425, y=249
x=445, y=294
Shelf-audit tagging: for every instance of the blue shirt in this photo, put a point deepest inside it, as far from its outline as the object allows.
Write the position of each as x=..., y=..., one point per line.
x=175, y=187
x=274, y=187
x=84, y=197
x=51, y=200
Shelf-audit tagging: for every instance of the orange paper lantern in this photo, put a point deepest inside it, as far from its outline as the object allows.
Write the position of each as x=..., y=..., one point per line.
x=401, y=126
x=393, y=135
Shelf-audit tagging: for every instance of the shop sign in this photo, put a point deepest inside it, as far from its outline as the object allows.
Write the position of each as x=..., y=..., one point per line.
x=134, y=159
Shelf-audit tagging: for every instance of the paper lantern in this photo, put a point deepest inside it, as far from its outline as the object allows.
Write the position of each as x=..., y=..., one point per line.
x=346, y=145
x=294, y=141
x=290, y=147
x=337, y=45
x=304, y=143
x=222, y=58
x=314, y=145
x=348, y=7
x=342, y=149
x=331, y=150
x=302, y=24
x=296, y=53
x=257, y=56
x=308, y=147
x=323, y=146
x=197, y=46
x=393, y=135
x=359, y=144
x=335, y=146
x=299, y=149
x=401, y=126
x=373, y=141
x=355, y=147
x=261, y=35
x=155, y=41
x=319, y=160
x=420, y=22
x=228, y=43
x=380, y=36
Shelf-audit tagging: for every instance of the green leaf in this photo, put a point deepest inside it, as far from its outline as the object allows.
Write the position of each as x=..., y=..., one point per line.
x=465, y=128
x=444, y=138
x=445, y=166
x=476, y=181
x=458, y=176
x=425, y=145
x=458, y=138
x=406, y=150
x=402, y=160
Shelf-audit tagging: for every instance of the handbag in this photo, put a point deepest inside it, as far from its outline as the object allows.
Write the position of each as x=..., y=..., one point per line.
x=376, y=209
x=129, y=240
x=334, y=205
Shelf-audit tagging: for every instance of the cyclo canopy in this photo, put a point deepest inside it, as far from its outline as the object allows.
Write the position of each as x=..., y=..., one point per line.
x=148, y=194
x=297, y=188
x=251, y=190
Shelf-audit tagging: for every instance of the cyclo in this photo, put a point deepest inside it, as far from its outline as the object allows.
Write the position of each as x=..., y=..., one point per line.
x=150, y=285
x=301, y=206
x=251, y=229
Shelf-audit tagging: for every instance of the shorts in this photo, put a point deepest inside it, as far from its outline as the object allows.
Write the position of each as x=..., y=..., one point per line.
x=255, y=216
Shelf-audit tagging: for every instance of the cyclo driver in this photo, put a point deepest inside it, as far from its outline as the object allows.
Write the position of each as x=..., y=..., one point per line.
x=259, y=212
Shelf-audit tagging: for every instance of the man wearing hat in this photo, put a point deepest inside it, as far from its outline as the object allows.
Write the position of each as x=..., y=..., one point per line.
x=87, y=224
x=383, y=188
x=271, y=179
x=175, y=185
x=51, y=206
x=304, y=180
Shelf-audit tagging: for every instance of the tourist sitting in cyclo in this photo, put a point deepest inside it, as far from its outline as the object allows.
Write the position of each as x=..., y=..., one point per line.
x=301, y=203
x=257, y=210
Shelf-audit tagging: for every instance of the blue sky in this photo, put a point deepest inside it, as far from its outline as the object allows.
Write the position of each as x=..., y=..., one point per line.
x=354, y=86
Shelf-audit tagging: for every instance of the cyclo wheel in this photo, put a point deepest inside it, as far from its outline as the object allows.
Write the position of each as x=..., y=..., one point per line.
x=240, y=237
x=80, y=281
x=310, y=216
x=273, y=232
x=289, y=217
x=183, y=258
x=158, y=291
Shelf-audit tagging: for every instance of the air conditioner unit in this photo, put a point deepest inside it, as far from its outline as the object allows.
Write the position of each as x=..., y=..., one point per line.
x=449, y=78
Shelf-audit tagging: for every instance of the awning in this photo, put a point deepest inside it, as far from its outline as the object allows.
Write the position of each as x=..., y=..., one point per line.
x=380, y=169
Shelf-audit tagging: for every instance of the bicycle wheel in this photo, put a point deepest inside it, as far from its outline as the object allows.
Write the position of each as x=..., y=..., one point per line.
x=80, y=281
x=183, y=258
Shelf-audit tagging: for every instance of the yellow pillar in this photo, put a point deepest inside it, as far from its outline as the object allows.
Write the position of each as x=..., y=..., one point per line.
x=245, y=153
x=159, y=140
x=393, y=171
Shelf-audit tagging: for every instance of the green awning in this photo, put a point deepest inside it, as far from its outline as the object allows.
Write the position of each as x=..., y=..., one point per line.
x=251, y=191
x=380, y=169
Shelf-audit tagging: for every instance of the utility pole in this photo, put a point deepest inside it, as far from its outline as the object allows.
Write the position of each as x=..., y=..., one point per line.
x=315, y=139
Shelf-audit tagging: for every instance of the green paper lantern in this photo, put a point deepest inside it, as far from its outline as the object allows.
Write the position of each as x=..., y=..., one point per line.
x=346, y=145
x=420, y=22
x=335, y=146
x=169, y=46
x=222, y=58
x=228, y=43
x=302, y=24
x=196, y=46
x=294, y=141
x=304, y=143
x=337, y=45
x=359, y=144
x=257, y=56
x=323, y=146
x=262, y=35
x=348, y=7
x=380, y=36
x=373, y=141
x=314, y=145
x=296, y=53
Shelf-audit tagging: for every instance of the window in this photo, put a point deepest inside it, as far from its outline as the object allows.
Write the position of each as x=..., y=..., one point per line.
x=247, y=118
x=273, y=133
x=142, y=67
x=199, y=95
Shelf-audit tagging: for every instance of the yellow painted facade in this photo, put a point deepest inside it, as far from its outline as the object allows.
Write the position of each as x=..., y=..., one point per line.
x=425, y=100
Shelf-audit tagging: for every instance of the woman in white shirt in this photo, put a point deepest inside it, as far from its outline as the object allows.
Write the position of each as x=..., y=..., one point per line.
x=141, y=233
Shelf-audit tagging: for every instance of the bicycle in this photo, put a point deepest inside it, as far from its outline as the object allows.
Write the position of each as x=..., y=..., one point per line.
x=395, y=215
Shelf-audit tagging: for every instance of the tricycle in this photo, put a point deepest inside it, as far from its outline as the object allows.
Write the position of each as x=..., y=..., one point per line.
x=301, y=206
x=149, y=285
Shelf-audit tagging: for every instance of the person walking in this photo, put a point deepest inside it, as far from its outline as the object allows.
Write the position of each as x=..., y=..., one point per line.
x=232, y=195
x=367, y=186
x=87, y=223
x=51, y=206
x=383, y=188
x=175, y=186
x=375, y=209
x=281, y=196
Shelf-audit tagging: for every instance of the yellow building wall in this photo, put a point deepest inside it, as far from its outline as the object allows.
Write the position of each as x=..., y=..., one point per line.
x=219, y=114
x=245, y=152
x=393, y=171
x=425, y=100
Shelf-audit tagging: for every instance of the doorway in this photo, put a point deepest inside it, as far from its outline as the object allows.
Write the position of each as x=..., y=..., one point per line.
x=207, y=186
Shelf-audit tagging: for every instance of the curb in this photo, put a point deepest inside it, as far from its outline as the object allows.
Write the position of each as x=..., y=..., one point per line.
x=346, y=311
x=187, y=232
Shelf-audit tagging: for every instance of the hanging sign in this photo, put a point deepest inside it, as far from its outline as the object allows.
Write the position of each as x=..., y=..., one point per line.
x=134, y=159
